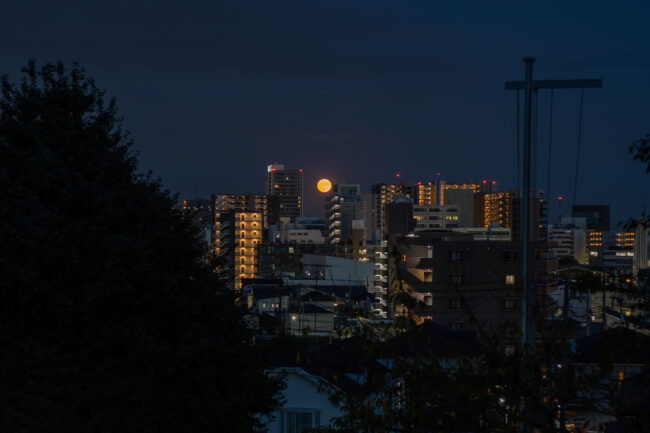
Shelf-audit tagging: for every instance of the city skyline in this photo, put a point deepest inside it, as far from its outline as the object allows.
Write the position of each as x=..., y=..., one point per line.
x=357, y=92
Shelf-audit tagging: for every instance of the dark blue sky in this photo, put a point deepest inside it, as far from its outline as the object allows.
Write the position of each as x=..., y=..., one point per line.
x=212, y=92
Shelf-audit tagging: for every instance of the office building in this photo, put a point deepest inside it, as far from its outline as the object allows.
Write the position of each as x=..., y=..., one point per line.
x=432, y=217
x=286, y=185
x=305, y=231
x=568, y=240
x=614, y=251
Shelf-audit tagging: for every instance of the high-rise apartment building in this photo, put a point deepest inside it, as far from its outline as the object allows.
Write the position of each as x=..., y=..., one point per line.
x=268, y=205
x=345, y=214
x=640, y=261
x=459, y=196
x=237, y=236
x=504, y=209
x=286, y=185
x=461, y=282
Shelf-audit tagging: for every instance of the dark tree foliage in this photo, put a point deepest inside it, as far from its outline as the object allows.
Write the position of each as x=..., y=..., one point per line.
x=641, y=151
x=110, y=320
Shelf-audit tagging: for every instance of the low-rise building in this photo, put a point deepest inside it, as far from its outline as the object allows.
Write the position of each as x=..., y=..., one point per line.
x=309, y=320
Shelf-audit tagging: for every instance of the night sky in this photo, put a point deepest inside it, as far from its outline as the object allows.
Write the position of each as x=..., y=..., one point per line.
x=356, y=91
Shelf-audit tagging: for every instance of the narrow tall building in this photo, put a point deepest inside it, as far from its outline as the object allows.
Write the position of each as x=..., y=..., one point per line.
x=640, y=260
x=345, y=215
x=237, y=237
x=286, y=186
x=504, y=209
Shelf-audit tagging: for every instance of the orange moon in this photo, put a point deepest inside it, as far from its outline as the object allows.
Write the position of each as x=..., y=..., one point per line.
x=324, y=185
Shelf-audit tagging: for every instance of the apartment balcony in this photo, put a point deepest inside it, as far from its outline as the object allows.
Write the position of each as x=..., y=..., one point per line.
x=381, y=278
x=334, y=224
x=335, y=215
x=251, y=236
x=220, y=225
x=380, y=267
x=380, y=255
x=254, y=225
x=255, y=217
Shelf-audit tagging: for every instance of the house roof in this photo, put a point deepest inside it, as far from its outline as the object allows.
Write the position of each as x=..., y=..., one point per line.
x=339, y=364
x=616, y=345
x=316, y=296
x=308, y=309
x=433, y=338
x=353, y=292
x=260, y=293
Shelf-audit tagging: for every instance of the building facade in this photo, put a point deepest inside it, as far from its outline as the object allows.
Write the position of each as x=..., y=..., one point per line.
x=286, y=186
x=454, y=275
x=612, y=250
x=268, y=205
x=596, y=216
x=504, y=209
x=236, y=238
x=345, y=214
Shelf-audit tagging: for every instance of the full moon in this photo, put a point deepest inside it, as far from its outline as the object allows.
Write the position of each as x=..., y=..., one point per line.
x=324, y=185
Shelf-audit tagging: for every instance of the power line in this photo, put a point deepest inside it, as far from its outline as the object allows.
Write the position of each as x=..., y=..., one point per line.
x=575, y=180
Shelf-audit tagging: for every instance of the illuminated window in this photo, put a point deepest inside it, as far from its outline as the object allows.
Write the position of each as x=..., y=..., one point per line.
x=621, y=376
x=510, y=280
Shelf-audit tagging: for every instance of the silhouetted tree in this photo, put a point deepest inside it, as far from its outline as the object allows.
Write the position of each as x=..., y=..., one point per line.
x=110, y=319
x=641, y=151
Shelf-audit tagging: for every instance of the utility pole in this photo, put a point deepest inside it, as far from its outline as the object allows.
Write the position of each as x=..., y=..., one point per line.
x=527, y=283
x=528, y=291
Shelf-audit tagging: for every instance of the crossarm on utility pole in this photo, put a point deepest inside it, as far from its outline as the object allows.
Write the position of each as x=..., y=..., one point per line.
x=557, y=84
